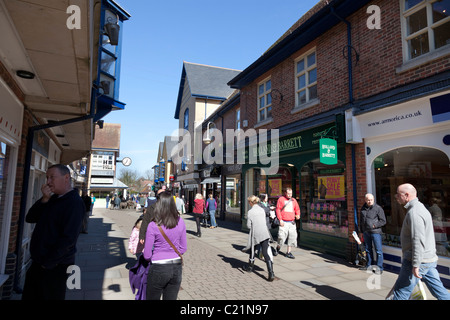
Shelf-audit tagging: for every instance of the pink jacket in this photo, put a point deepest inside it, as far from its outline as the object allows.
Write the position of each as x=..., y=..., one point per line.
x=133, y=243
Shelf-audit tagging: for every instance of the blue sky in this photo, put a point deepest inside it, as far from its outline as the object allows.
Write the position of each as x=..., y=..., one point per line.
x=160, y=35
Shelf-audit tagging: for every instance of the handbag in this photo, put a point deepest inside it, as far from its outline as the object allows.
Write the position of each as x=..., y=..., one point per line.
x=171, y=244
x=276, y=221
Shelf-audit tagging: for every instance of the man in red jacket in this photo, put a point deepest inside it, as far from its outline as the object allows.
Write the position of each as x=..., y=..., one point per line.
x=287, y=211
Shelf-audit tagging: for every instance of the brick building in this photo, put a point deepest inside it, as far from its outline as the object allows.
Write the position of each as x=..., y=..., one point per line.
x=374, y=77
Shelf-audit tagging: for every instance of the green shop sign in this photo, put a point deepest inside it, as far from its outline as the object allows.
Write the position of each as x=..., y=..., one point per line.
x=305, y=140
x=328, y=151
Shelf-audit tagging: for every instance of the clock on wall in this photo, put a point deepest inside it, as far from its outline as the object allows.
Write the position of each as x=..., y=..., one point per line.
x=126, y=161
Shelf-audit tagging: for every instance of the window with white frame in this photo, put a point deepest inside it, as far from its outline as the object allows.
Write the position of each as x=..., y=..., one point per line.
x=238, y=118
x=102, y=161
x=426, y=26
x=265, y=100
x=306, y=79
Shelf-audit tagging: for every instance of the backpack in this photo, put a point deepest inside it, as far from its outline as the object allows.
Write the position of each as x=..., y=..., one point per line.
x=150, y=201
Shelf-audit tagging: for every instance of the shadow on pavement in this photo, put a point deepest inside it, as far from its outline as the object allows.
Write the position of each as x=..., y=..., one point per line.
x=101, y=257
x=330, y=292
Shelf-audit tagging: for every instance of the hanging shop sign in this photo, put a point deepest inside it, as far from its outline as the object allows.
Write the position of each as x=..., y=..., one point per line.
x=328, y=151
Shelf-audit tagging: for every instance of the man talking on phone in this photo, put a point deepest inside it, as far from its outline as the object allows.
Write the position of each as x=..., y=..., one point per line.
x=58, y=216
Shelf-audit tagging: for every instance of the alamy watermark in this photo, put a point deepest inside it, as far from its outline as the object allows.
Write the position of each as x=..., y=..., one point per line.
x=74, y=20
x=374, y=280
x=374, y=21
x=74, y=279
x=258, y=149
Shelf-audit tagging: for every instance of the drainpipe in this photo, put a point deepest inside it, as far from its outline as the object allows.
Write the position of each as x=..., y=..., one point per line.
x=223, y=189
x=26, y=178
x=350, y=95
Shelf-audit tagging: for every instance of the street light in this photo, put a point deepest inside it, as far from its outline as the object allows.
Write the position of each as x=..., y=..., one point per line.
x=207, y=139
x=112, y=30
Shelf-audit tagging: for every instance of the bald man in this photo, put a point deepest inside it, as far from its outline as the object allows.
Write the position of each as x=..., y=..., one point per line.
x=419, y=258
x=372, y=220
x=58, y=216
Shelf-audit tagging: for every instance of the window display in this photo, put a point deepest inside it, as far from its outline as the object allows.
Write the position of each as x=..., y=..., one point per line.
x=233, y=192
x=323, y=197
x=428, y=170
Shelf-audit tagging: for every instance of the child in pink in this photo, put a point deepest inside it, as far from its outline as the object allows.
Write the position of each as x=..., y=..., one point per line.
x=134, y=245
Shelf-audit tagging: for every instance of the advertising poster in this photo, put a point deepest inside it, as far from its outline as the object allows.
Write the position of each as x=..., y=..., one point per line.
x=275, y=189
x=262, y=186
x=331, y=188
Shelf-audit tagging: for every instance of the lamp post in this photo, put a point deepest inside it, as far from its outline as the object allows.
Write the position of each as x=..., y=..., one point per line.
x=207, y=139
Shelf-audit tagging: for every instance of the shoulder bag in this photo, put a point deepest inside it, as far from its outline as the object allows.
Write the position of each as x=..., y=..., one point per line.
x=171, y=244
x=276, y=221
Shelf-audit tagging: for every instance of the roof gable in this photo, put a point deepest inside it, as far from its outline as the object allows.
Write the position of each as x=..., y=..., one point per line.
x=205, y=82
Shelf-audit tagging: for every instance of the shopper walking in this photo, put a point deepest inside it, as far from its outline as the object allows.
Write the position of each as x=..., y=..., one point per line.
x=58, y=216
x=88, y=205
x=180, y=204
x=211, y=206
x=287, y=211
x=419, y=259
x=199, y=208
x=165, y=243
x=116, y=202
x=371, y=222
x=259, y=234
x=270, y=214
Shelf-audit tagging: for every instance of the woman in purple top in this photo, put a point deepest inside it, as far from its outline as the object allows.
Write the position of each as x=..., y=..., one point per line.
x=165, y=272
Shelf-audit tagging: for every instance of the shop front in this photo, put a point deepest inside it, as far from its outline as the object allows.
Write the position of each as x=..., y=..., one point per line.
x=410, y=143
x=11, y=115
x=211, y=177
x=319, y=188
x=231, y=189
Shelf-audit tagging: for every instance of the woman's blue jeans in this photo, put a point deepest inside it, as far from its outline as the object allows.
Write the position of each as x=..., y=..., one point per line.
x=212, y=216
x=407, y=281
x=374, y=239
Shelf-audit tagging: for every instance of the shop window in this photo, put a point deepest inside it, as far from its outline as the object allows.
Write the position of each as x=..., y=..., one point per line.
x=324, y=199
x=428, y=170
x=5, y=159
x=274, y=185
x=233, y=194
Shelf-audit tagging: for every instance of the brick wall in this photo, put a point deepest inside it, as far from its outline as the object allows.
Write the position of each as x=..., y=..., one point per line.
x=380, y=54
x=376, y=71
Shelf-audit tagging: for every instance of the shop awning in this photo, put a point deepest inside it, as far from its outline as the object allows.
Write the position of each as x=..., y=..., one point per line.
x=117, y=184
x=211, y=180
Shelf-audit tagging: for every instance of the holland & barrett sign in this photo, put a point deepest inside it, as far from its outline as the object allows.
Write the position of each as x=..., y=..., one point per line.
x=328, y=151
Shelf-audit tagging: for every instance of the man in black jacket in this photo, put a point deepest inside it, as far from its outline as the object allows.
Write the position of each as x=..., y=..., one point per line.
x=58, y=217
x=372, y=219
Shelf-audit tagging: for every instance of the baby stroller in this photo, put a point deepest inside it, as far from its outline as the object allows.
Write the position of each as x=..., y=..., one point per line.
x=361, y=255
